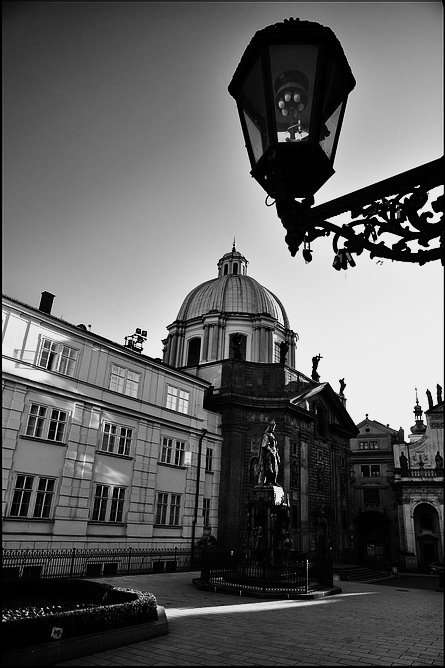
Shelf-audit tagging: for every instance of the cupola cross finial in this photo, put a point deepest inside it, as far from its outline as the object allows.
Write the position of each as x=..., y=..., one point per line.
x=233, y=247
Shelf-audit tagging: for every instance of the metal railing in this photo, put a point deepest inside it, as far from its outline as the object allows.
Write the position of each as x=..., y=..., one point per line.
x=78, y=563
x=292, y=574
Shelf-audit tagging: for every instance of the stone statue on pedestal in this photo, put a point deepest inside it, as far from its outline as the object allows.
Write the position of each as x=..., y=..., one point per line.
x=269, y=459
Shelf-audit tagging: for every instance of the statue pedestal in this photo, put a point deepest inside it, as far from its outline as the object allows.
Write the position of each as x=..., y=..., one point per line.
x=268, y=522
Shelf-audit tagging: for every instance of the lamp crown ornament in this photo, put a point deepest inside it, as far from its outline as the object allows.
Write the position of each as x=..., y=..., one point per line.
x=291, y=88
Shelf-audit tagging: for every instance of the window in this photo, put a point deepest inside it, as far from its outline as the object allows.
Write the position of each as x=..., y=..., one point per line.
x=108, y=505
x=172, y=452
x=368, y=445
x=46, y=423
x=209, y=460
x=177, y=400
x=116, y=439
x=124, y=381
x=371, y=498
x=238, y=346
x=194, y=351
x=167, y=509
x=369, y=470
x=33, y=496
x=206, y=512
x=55, y=356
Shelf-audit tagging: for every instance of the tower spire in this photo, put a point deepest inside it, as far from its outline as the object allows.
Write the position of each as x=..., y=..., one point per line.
x=419, y=427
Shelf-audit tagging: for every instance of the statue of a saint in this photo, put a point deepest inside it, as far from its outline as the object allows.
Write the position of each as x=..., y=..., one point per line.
x=430, y=399
x=342, y=385
x=403, y=462
x=439, y=394
x=269, y=458
x=315, y=361
x=439, y=460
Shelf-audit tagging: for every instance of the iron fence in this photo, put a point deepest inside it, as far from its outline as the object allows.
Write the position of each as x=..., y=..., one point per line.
x=78, y=563
x=244, y=573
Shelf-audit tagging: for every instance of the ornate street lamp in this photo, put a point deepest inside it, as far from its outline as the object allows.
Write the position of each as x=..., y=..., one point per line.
x=291, y=88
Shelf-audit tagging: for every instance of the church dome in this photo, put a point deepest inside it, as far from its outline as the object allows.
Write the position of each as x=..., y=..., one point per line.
x=237, y=306
x=232, y=292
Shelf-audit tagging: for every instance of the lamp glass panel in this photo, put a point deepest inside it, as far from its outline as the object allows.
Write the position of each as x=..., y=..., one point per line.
x=254, y=112
x=293, y=69
x=328, y=132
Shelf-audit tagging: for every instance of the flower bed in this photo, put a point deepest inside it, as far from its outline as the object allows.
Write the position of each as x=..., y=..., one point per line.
x=40, y=611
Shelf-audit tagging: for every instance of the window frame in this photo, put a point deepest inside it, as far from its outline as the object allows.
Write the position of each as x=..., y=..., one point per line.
x=206, y=507
x=129, y=387
x=60, y=358
x=121, y=441
x=47, y=423
x=209, y=460
x=101, y=510
x=177, y=399
x=172, y=452
x=36, y=497
x=370, y=467
x=168, y=506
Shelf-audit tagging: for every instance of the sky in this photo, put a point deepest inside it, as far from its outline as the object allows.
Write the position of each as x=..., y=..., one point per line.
x=125, y=179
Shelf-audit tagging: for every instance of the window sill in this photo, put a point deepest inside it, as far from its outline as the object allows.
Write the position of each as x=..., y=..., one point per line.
x=42, y=440
x=107, y=523
x=40, y=520
x=113, y=454
x=167, y=526
x=173, y=466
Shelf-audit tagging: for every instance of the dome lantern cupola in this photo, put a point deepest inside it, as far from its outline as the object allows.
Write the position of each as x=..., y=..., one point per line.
x=232, y=263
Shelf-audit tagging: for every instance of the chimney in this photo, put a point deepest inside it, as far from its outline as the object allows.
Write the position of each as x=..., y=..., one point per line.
x=46, y=302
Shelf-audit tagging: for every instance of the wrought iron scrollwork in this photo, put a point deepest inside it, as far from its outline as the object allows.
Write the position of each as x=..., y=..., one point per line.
x=406, y=206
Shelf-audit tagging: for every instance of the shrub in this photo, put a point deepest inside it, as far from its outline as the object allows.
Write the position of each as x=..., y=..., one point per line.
x=103, y=607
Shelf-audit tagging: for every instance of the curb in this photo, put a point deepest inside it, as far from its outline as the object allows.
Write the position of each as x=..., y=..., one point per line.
x=57, y=651
x=282, y=594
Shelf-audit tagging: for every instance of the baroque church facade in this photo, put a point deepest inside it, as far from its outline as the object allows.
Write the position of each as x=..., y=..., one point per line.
x=235, y=334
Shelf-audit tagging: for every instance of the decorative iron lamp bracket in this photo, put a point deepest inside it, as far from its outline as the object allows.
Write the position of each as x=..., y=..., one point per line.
x=399, y=206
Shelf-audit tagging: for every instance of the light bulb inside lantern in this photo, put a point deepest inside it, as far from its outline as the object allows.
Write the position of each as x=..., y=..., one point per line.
x=281, y=104
x=287, y=96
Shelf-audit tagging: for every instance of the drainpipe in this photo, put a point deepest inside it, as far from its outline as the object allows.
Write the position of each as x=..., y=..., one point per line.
x=198, y=478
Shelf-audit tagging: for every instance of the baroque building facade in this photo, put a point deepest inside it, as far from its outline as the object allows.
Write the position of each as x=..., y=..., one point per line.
x=234, y=333
x=102, y=446
x=397, y=491
x=418, y=483
x=376, y=539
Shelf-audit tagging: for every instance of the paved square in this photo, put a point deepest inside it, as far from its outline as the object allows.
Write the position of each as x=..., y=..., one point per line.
x=367, y=624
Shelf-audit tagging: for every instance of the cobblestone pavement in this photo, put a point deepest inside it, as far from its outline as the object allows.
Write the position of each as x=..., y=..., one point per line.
x=365, y=625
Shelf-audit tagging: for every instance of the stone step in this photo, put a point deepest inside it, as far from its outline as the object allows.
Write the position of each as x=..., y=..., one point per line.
x=360, y=574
